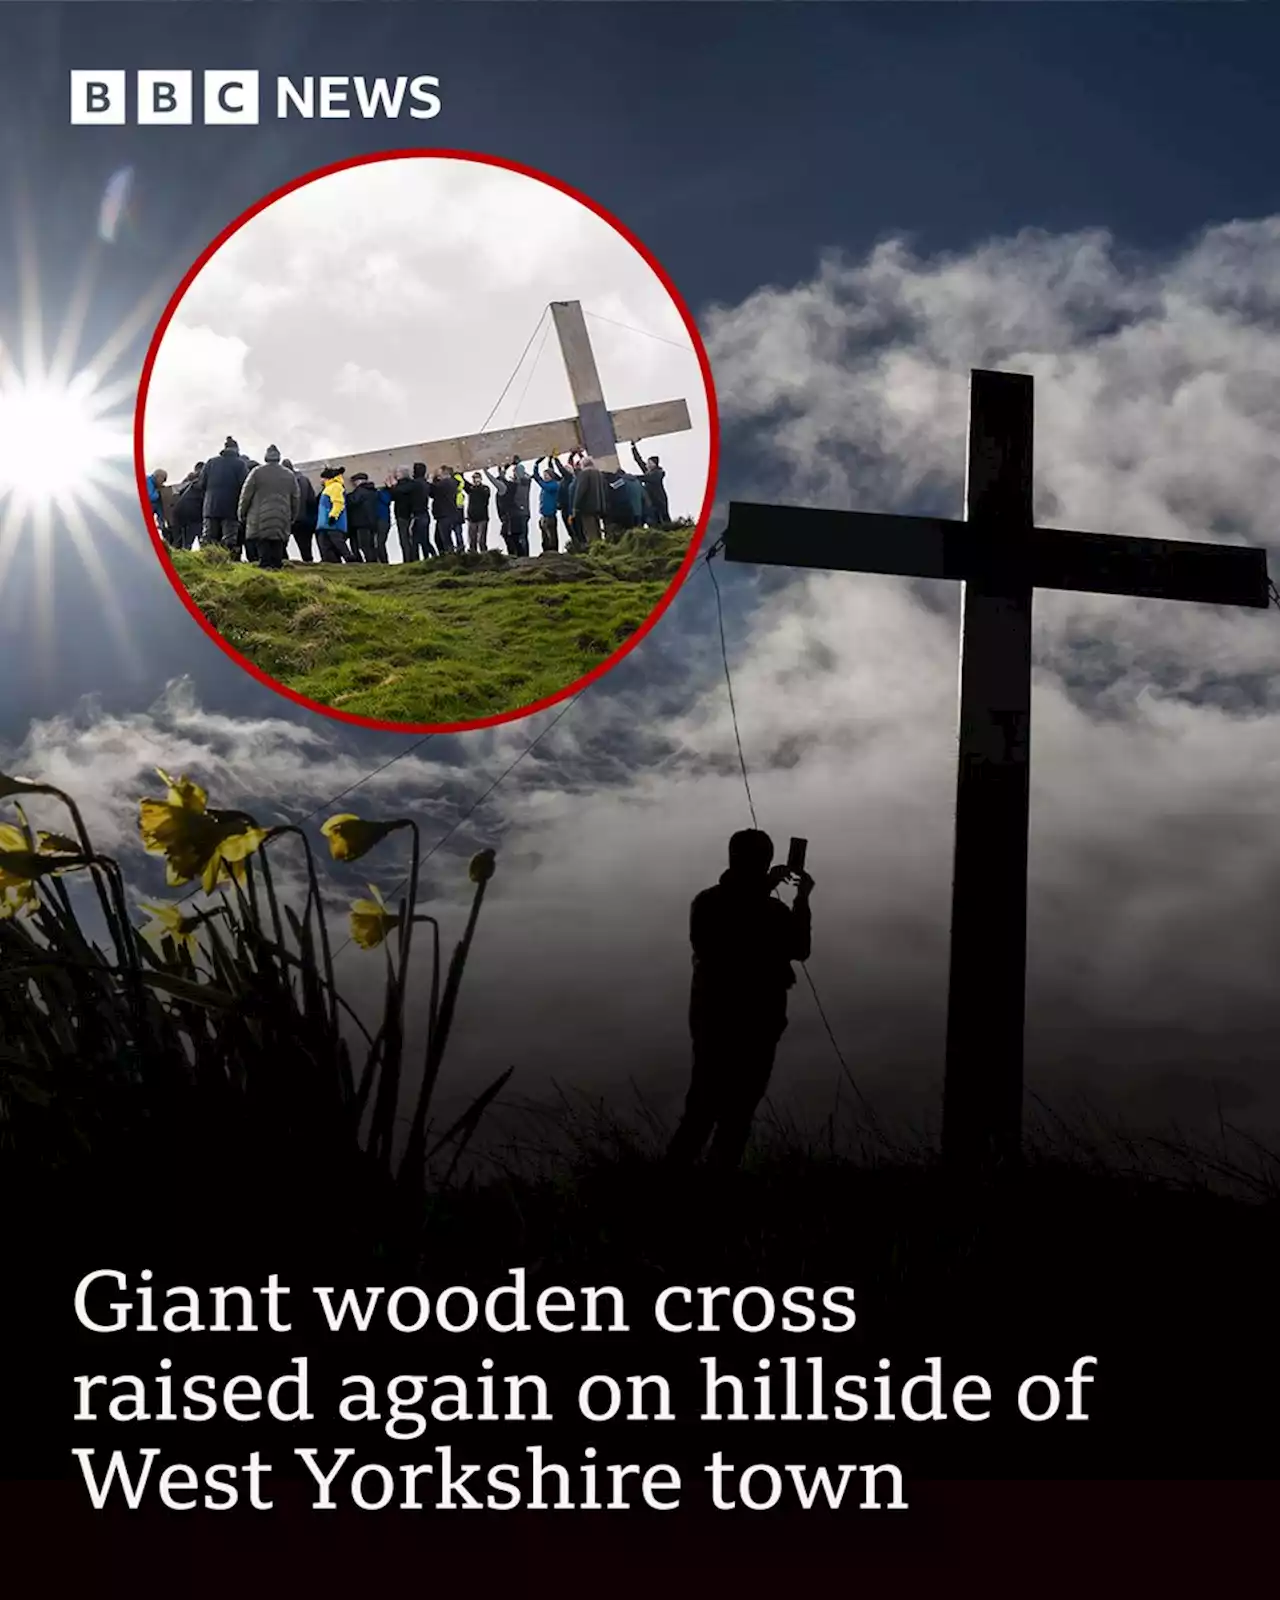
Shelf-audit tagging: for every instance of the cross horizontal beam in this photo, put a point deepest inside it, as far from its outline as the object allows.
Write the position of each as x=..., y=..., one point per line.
x=1044, y=558
x=472, y=452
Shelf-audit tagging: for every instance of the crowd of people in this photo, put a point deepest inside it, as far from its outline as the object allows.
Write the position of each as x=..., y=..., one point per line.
x=252, y=509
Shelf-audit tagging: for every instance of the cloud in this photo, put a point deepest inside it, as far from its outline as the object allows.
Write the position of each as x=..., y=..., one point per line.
x=1155, y=845
x=389, y=304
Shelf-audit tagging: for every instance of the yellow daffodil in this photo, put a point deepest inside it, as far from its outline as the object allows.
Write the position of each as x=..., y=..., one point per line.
x=22, y=861
x=372, y=921
x=195, y=840
x=170, y=922
x=350, y=837
x=18, y=862
x=16, y=897
x=483, y=866
x=57, y=844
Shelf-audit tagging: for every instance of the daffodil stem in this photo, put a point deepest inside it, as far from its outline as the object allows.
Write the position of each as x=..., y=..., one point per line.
x=277, y=923
x=437, y=1040
x=314, y=900
x=406, y=933
x=117, y=931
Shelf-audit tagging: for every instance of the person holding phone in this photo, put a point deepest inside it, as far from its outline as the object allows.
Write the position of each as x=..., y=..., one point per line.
x=744, y=940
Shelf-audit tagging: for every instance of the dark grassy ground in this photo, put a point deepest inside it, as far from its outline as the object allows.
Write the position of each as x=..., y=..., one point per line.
x=441, y=641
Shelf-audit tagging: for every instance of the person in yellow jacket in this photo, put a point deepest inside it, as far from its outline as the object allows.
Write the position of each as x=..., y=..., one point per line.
x=331, y=516
x=460, y=515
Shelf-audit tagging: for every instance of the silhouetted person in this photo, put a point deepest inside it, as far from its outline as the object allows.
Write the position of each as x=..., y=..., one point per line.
x=744, y=941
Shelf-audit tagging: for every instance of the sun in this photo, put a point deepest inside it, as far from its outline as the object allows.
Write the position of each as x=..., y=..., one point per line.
x=69, y=507
x=54, y=440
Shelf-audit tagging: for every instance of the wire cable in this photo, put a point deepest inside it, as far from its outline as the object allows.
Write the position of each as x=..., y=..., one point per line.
x=520, y=402
x=746, y=782
x=484, y=425
x=643, y=332
x=728, y=680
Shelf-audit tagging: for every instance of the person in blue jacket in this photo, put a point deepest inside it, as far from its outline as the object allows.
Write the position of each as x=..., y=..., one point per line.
x=155, y=486
x=331, y=516
x=385, y=509
x=548, y=504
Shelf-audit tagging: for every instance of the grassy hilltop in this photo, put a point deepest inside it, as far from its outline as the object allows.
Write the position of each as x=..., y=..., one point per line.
x=438, y=641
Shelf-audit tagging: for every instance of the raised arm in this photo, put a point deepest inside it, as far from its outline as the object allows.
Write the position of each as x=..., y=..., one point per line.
x=639, y=459
x=801, y=936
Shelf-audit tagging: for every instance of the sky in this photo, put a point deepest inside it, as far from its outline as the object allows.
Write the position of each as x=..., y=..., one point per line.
x=314, y=328
x=955, y=187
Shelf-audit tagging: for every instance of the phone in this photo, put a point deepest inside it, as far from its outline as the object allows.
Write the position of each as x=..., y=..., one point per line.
x=795, y=855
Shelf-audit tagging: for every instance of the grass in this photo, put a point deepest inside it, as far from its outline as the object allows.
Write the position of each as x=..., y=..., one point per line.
x=447, y=640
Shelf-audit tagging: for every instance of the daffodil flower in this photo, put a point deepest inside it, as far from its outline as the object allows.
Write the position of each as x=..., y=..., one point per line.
x=22, y=861
x=194, y=840
x=170, y=922
x=16, y=896
x=483, y=865
x=57, y=844
x=350, y=837
x=372, y=921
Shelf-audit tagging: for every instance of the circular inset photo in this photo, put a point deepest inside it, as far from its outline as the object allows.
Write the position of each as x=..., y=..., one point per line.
x=426, y=441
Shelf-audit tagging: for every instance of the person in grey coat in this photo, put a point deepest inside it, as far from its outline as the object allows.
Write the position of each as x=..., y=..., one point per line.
x=268, y=508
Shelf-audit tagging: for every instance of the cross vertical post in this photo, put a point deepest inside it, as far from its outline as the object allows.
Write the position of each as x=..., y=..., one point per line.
x=982, y=1096
x=594, y=420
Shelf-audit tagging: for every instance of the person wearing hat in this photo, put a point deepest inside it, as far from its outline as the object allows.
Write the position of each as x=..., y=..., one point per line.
x=220, y=483
x=362, y=517
x=331, y=516
x=267, y=507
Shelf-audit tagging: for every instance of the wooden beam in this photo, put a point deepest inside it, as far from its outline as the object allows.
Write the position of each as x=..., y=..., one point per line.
x=472, y=452
x=982, y=1091
x=849, y=541
x=1163, y=569
x=1047, y=558
x=595, y=423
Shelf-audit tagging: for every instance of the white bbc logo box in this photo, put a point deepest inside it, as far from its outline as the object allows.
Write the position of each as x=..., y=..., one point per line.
x=101, y=98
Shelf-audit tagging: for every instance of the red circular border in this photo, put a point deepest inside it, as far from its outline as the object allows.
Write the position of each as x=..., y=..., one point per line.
x=704, y=516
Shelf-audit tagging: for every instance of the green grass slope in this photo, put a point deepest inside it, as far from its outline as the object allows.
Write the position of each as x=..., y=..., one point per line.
x=440, y=641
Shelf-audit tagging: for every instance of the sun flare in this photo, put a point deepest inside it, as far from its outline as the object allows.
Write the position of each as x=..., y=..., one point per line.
x=69, y=506
x=54, y=438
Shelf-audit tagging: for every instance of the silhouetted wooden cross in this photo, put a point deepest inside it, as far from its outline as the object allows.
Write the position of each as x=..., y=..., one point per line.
x=1001, y=557
x=593, y=427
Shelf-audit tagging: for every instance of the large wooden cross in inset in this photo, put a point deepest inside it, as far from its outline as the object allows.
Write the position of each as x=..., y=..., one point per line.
x=1000, y=557
x=594, y=428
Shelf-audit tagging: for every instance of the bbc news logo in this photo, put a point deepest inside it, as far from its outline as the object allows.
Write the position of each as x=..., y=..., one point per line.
x=227, y=97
